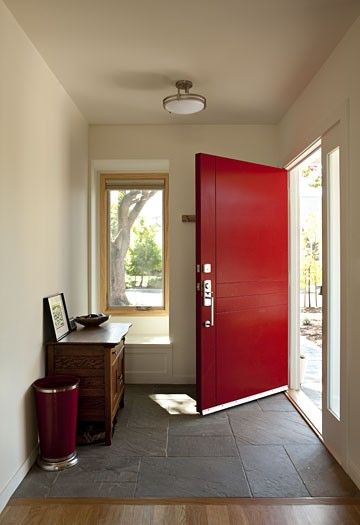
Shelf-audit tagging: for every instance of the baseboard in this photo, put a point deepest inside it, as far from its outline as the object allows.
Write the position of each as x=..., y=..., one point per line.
x=137, y=378
x=183, y=380
x=15, y=481
x=354, y=473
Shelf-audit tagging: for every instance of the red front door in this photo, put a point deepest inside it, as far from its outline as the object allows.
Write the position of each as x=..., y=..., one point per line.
x=242, y=281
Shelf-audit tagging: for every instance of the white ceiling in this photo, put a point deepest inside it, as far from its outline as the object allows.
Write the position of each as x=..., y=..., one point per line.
x=118, y=58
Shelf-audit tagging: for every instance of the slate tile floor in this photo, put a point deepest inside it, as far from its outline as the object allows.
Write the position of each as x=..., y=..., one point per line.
x=162, y=448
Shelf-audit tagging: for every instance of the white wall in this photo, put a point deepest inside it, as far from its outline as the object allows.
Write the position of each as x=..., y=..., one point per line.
x=178, y=144
x=43, y=230
x=335, y=87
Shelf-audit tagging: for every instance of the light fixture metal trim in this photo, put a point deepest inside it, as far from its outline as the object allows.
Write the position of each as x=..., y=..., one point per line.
x=184, y=103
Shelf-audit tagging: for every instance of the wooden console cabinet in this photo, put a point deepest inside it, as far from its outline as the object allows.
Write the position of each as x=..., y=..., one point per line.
x=96, y=356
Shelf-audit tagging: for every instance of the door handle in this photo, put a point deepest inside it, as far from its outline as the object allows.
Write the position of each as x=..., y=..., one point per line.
x=207, y=324
x=212, y=309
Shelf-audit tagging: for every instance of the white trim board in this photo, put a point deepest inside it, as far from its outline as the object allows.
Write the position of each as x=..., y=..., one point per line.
x=109, y=166
x=17, y=478
x=152, y=364
x=148, y=363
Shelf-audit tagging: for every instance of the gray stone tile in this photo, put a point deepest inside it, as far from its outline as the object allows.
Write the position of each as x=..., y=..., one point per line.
x=270, y=472
x=246, y=409
x=276, y=403
x=117, y=490
x=77, y=475
x=36, y=484
x=211, y=425
x=75, y=482
x=295, y=416
x=107, y=467
x=147, y=413
x=83, y=489
x=124, y=413
x=117, y=469
x=139, y=442
x=322, y=475
x=271, y=428
x=191, y=477
x=197, y=446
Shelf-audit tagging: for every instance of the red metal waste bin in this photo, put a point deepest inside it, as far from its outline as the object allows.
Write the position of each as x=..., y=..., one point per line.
x=56, y=409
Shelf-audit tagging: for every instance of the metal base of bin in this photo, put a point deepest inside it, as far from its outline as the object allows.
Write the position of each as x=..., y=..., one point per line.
x=58, y=464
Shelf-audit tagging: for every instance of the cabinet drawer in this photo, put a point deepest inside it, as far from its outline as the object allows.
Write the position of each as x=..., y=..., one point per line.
x=78, y=362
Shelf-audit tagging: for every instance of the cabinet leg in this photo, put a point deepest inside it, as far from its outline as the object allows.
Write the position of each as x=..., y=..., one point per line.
x=108, y=432
x=122, y=401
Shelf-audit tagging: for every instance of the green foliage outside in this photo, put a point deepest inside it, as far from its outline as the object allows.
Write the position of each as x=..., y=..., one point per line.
x=312, y=173
x=144, y=258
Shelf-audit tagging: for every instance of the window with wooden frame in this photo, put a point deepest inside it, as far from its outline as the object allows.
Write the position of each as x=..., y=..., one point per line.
x=134, y=243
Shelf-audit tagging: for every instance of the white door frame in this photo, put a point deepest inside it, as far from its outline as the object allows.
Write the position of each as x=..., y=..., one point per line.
x=338, y=448
x=294, y=265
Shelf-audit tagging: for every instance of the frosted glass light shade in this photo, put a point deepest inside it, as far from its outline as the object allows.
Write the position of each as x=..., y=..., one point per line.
x=185, y=104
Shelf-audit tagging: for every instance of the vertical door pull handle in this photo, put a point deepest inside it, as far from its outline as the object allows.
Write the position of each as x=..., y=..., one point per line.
x=212, y=309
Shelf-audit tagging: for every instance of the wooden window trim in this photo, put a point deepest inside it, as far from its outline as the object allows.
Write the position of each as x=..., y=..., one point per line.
x=104, y=248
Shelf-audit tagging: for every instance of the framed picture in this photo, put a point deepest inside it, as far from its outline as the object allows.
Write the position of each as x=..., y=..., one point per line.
x=58, y=316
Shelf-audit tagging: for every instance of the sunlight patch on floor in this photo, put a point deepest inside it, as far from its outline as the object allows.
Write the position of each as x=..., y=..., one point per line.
x=176, y=404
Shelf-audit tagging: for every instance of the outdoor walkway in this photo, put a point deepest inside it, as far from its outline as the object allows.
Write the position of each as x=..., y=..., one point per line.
x=312, y=385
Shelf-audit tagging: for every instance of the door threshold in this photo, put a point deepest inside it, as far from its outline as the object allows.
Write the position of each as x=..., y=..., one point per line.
x=254, y=501
x=308, y=411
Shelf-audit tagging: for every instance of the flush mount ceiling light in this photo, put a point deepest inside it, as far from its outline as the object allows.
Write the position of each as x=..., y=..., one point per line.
x=184, y=103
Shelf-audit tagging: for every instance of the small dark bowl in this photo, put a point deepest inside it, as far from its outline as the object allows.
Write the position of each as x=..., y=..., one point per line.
x=92, y=319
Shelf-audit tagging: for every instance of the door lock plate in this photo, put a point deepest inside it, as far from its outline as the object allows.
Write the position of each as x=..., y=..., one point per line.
x=206, y=292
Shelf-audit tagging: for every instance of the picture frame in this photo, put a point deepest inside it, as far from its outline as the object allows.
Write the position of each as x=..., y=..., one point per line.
x=58, y=319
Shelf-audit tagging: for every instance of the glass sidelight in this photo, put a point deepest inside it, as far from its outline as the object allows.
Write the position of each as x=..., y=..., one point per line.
x=333, y=279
